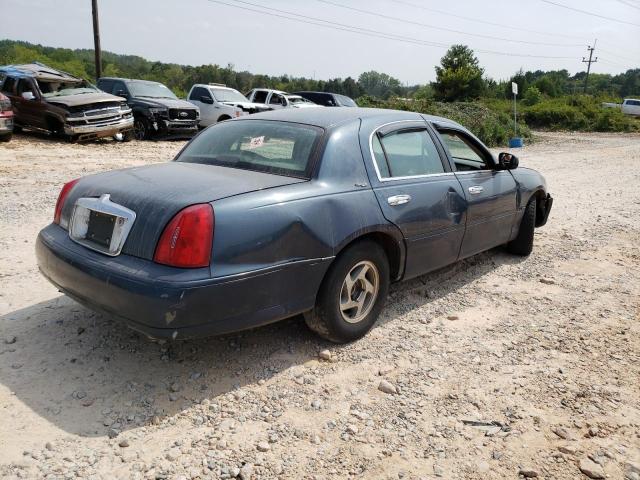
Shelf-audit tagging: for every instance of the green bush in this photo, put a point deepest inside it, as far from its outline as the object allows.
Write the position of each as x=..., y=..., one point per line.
x=532, y=96
x=581, y=112
x=493, y=127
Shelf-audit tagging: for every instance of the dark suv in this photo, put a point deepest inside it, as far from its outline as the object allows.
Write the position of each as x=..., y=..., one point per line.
x=156, y=109
x=328, y=99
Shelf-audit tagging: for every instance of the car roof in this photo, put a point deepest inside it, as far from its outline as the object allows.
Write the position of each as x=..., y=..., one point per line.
x=38, y=71
x=130, y=80
x=328, y=117
x=299, y=92
x=206, y=85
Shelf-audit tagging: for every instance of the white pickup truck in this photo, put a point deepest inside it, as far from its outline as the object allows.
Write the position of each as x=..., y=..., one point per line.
x=630, y=106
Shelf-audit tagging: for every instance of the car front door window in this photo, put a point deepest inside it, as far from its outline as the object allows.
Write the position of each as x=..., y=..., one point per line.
x=465, y=155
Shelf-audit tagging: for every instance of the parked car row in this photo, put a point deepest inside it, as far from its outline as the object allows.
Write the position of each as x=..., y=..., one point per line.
x=44, y=99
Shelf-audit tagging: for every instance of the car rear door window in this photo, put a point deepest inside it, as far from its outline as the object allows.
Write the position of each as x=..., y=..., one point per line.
x=406, y=153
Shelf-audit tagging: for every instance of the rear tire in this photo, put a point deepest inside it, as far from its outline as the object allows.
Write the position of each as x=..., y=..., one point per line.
x=523, y=243
x=352, y=294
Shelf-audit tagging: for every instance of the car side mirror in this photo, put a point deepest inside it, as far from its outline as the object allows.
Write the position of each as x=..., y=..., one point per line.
x=28, y=96
x=508, y=161
x=206, y=99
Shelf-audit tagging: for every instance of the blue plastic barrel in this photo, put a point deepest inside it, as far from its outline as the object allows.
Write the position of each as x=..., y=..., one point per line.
x=515, y=142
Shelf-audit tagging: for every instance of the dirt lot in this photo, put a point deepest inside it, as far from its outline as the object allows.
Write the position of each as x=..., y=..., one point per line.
x=502, y=366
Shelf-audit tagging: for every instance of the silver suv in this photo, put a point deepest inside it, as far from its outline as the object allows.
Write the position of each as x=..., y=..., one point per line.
x=218, y=102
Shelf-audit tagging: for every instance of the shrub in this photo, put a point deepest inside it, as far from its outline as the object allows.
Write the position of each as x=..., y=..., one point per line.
x=532, y=96
x=577, y=113
x=491, y=126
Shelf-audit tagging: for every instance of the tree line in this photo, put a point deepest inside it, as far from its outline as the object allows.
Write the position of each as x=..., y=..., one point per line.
x=459, y=77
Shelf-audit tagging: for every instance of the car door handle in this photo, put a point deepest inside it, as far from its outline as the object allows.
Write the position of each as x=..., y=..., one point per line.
x=476, y=189
x=398, y=200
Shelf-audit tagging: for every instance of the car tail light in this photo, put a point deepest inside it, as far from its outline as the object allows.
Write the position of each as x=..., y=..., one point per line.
x=62, y=197
x=186, y=241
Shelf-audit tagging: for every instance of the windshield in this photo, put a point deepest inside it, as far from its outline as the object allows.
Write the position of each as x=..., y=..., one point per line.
x=62, y=89
x=228, y=95
x=346, y=101
x=150, y=90
x=280, y=148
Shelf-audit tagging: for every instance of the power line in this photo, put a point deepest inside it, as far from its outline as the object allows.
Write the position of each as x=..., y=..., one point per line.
x=629, y=4
x=460, y=32
x=485, y=22
x=364, y=31
x=636, y=60
x=590, y=13
x=615, y=64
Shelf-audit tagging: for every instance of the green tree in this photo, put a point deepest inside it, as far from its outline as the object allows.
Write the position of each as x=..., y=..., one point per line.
x=379, y=84
x=532, y=96
x=459, y=77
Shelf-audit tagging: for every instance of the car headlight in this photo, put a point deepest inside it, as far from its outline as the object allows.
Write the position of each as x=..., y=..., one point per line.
x=124, y=106
x=159, y=111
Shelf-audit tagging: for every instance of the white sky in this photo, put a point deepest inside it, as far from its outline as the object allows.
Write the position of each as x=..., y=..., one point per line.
x=196, y=32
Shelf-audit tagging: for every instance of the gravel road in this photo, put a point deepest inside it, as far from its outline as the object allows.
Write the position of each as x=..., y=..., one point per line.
x=496, y=367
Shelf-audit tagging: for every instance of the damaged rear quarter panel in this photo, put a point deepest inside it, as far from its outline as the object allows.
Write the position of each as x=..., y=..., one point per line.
x=304, y=221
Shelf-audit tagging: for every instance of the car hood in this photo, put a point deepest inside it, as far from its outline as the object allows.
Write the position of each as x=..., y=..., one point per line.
x=84, y=99
x=157, y=192
x=164, y=103
x=305, y=105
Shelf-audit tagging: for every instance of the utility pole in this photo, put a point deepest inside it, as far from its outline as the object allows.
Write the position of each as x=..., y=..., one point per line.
x=96, y=38
x=589, y=62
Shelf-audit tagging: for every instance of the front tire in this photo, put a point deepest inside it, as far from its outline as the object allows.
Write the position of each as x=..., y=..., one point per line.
x=352, y=294
x=523, y=243
x=141, y=128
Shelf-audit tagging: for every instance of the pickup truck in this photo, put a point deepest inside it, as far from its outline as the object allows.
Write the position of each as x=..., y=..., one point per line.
x=276, y=99
x=49, y=100
x=630, y=106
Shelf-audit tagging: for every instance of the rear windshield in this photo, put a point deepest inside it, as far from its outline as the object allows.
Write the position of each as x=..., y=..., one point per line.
x=280, y=148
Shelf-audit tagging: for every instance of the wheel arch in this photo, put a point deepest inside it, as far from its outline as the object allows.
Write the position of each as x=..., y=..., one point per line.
x=223, y=117
x=540, y=196
x=391, y=242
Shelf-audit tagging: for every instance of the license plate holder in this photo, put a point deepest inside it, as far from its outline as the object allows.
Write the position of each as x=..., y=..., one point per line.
x=100, y=228
x=100, y=224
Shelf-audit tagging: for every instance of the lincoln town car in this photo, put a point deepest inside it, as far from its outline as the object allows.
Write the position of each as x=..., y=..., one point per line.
x=295, y=211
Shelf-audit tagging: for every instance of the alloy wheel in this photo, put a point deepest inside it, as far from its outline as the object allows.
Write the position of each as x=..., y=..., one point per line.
x=359, y=291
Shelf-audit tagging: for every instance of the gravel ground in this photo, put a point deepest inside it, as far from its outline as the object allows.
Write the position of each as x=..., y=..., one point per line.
x=496, y=367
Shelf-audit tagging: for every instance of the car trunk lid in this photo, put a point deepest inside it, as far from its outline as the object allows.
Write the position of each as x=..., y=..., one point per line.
x=157, y=192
